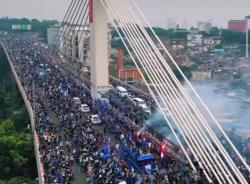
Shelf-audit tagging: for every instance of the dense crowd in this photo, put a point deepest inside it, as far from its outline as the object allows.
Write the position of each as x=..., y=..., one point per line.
x=116, y=151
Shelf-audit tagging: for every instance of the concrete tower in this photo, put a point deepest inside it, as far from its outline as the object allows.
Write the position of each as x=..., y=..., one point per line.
x=99, y=49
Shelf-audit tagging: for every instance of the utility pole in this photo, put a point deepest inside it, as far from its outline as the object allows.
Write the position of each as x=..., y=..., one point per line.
x=247, y=38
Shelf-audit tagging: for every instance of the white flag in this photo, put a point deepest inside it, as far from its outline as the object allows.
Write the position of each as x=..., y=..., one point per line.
x=162, y=154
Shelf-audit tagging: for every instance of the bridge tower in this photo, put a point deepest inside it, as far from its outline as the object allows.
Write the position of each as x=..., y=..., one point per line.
x=98, y=19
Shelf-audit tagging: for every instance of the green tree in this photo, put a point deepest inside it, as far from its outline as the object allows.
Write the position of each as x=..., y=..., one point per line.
x=6, y=128
x=214, y=31
x=229, y=37
x=16, y=142
x=186, y=70
x=21, y=180
x=37, y=26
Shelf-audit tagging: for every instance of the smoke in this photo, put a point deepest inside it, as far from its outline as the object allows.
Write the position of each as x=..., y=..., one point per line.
x=228, y=107
x=159, y=125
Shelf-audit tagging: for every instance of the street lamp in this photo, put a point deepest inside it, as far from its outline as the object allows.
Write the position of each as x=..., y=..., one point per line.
x=247, y=28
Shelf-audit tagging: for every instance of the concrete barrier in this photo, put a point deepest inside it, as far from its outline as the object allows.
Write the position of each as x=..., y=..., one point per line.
x=40, y=168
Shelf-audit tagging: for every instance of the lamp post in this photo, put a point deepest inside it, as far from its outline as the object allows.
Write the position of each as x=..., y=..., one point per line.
x=247, y=39
x=247, y=28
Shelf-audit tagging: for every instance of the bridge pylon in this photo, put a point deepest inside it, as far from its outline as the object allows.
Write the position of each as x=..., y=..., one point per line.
x=98, y=19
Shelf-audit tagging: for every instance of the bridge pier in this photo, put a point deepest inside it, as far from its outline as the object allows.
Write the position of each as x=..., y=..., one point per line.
x=98, y=49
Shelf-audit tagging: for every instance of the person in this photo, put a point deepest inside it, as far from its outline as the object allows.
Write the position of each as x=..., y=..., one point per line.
x=67, y=136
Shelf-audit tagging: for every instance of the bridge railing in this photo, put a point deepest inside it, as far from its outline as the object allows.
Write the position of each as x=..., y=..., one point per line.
x=40, y=168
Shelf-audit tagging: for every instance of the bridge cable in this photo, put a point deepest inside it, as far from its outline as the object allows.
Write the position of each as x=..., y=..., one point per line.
x=227, y=157
x=69, y=22
x=63, y=24
x=72, y=28
x=194, y=119
x=80, y=24
x=175, y=120
x=150, y=90
x=175, y=97
x=64, y=18
x=193, y=90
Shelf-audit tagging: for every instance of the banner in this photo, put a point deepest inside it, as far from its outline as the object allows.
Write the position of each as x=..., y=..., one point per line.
x=23, y=27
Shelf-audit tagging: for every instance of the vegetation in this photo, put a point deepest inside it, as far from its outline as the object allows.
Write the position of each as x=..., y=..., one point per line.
x=228, y=37
x=187, y=71
x=170, y=33
x=37, y=26
x=17, y=157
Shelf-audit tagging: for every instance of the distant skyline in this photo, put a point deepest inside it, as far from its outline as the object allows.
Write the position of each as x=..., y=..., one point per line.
x=185, y=12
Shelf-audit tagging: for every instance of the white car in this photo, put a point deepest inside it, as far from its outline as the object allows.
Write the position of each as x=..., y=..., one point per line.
x=146, y=109
x=84, y=108
x=142, y=104
x=77, y=100
x=121, y=91
x=85, y=70
x=95, y=119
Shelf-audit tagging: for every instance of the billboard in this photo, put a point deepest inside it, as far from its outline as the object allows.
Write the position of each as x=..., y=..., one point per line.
x=22, y=27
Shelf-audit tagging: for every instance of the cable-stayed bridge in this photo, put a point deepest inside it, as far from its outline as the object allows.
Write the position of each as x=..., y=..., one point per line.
x=193, y=120
x=86, y=24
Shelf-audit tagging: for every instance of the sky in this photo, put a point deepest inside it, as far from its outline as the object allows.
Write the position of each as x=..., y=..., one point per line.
x=184, y=12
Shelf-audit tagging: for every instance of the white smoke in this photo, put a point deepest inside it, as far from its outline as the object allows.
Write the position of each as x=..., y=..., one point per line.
x=229, y=111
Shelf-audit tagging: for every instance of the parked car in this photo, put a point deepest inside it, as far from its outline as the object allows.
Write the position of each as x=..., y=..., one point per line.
x=77, y=100
x=145, y=109
x=142, y=104
x=121, y=91
x=85, y=69
x=84, y=108
x=95, y=119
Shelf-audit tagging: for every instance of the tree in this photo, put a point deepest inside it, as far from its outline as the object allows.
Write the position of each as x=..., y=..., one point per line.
x=229, y=37
x=214, y=31
x=186, y=70
x=204, y=33
x=21, y=180
x=16, y=143
x=6, y=128
x=37, y=26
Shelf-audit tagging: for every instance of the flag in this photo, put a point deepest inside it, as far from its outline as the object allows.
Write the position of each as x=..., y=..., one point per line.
x=162, y=155
x=64, y=88
x=106, y=149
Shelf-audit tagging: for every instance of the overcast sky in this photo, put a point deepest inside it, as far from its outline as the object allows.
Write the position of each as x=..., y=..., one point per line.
x=185, y=12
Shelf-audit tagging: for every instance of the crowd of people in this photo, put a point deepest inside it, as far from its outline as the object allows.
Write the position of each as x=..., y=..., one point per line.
x=115, y=151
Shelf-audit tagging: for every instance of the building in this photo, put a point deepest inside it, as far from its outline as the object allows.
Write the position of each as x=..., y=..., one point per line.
x=237, y=25
x=204, y=26
x=201, y=75
x=124, y=74
x=52, y=35
x=212, y=41
x=209, y=43
x=164, y=40
x=171, y=24
x=178, y=43
x=194, y=40
x=75, y=43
